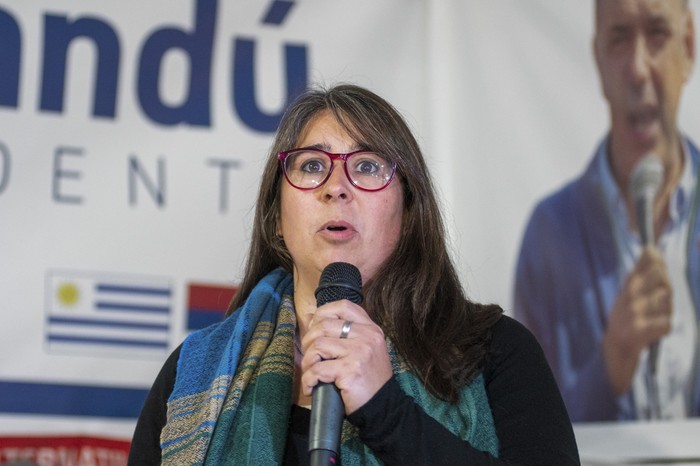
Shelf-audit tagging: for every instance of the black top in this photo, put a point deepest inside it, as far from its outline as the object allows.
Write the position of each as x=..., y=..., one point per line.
x=531, y=421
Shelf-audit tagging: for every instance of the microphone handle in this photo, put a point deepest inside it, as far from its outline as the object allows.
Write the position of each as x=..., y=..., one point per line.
x=322, y=458
x=645, y=218
x=652, y=383
x=327, y=412
x=645, y=221
x=339, y=280
x=653, y=356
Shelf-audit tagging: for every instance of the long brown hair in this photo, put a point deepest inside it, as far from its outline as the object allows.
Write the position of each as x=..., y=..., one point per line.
x=416, y=296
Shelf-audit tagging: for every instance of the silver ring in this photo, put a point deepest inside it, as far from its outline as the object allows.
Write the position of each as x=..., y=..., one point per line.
x=346, y=329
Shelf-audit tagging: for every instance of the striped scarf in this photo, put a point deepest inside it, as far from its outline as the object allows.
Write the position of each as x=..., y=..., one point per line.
x=233, y=391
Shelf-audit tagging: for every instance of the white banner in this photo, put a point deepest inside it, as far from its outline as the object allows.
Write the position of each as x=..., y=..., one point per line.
x=131, y=144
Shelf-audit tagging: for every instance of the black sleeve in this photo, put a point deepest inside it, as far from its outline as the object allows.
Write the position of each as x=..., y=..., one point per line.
x=532, y=425
x=145, y=445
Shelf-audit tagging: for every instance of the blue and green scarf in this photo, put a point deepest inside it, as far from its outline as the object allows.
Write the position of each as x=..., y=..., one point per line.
x=233, y=391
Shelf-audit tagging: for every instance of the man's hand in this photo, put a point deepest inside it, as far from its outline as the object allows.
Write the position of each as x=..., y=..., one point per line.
x=640, y=316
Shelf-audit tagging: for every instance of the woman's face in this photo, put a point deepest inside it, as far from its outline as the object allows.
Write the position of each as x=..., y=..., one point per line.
x=338, y=222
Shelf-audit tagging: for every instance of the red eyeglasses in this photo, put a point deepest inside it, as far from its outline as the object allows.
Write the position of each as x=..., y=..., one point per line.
x=309, y=168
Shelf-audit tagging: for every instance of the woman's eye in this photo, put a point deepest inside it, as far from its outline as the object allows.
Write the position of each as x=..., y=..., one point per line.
x=367, y=167
x=312, y=166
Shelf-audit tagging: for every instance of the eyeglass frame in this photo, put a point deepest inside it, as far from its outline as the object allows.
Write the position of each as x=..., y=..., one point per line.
x=282, y=157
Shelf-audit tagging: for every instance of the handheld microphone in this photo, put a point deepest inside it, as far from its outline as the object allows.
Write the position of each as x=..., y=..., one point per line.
x=645, y=180
x=339, y=280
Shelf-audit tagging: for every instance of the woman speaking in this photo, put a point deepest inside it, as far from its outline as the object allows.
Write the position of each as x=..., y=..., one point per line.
x=425, y=376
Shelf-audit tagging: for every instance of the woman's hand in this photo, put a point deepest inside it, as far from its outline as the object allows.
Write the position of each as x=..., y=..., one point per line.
x=358, y=364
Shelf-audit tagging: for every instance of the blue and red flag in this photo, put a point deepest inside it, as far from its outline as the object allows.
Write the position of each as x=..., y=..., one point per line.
x=207, y=304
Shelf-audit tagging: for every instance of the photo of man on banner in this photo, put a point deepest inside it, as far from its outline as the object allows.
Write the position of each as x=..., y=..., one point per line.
x=608, y=276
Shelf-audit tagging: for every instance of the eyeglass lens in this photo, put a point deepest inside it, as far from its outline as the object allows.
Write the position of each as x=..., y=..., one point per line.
x=310, y=168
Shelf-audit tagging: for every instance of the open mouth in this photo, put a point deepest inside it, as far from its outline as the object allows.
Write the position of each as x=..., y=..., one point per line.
x=337, y=226
x=643, y=117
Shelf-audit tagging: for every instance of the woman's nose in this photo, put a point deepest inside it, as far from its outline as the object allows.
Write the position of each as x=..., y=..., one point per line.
x=337, y=185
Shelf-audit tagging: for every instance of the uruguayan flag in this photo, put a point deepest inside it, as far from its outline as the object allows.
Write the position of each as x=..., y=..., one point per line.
x=108, y=314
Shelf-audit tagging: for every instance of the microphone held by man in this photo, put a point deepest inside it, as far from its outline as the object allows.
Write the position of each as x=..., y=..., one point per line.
x=645, y=181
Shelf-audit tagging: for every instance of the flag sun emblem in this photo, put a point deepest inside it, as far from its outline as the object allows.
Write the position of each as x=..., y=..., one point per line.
x=68, y=294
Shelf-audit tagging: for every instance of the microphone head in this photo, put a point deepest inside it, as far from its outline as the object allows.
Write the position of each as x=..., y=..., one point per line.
x=339, y=280
x=646, y=178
